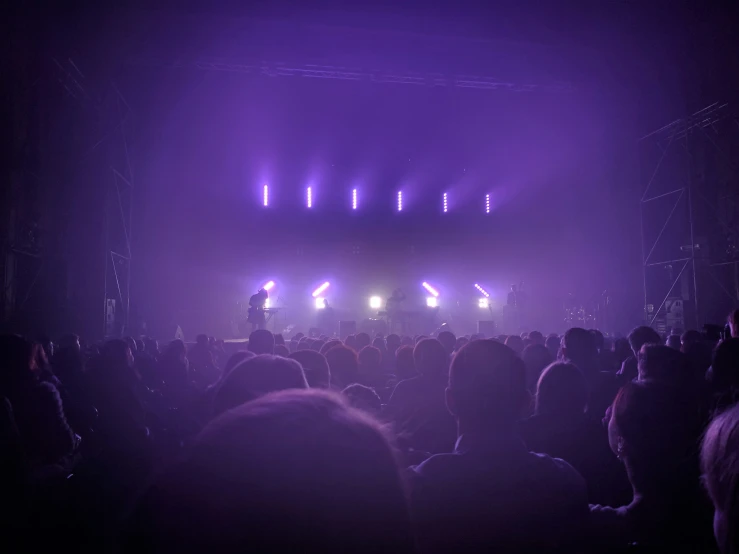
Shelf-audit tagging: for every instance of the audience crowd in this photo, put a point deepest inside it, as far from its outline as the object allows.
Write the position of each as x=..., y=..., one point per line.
x=521, y=443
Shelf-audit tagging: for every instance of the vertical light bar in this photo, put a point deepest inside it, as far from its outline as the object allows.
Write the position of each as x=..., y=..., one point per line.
x=354, y=199
x=487, y=203
x=446, y=205
x=309, y=197
x=265, y=195
x=400, y=200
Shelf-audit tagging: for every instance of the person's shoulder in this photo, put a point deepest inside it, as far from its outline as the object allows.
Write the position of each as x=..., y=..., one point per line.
x=610, y=525
x=46, y=388
x=45, y=392
x=607, y=512
x=559, y=471
x=407, y=384
x=532, y=421
x=434, y=467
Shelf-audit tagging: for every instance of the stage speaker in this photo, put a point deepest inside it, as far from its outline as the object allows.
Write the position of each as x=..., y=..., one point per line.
x=486, y=328
x=347, y=328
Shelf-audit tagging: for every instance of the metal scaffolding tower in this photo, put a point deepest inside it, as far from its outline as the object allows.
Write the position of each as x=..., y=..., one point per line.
x=102, y=177
x=118, y=221
x=690, y=219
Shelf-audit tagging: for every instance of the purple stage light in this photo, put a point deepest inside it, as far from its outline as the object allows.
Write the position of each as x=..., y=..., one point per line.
x=320, y=289
x=309, y=197
x=430, y=289
x=482, y=291
x=445, y=203
x=400, y=200
x=354, y=199
x=269, y=286
x=487, y=203
x=265, y=196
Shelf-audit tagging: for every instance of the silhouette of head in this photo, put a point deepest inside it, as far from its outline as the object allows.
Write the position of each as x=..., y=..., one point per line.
x=579, y=347
x=117, y=352
x=734, y=323
x=235, y=359
x=329, y=345
x=351, y=342
x=272, y=476
x=690, y=337
x=535, y=357
x=662, y=363
x=261, y=341
x=131, y=343
x=379, y=343
x=430, y=358
x=363, y=398
x=720, y=465
x=641, y=336
x=673, y=341
x=393, y=342
x=256, y=377
x=317, y=345
x=725, y=366
x=561, y=390
x=363, y=339
x=176, y=350
x=487, y=385
x=622, y=349
x=151, y=346
x=653, y=429
x=598, y=339
x=315, y=368
x=370, y=360
x=461, y=341
x=281, y=350
x=18, y=363
x=342, y=361
x=405, y=367
x=202, y=340
x=448, y=341
x=515, y=343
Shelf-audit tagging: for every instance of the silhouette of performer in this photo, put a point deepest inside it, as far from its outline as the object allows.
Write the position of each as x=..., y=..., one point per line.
x=395, y=314
x=257, y=305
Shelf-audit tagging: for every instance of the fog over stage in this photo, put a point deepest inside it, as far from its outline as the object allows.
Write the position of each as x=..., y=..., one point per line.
x=494, y=186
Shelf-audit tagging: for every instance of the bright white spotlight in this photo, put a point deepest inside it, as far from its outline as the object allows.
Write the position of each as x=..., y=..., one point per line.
x=309, y=197
x=269, y=286
x=266, y=303
x=446, y=205
x=430, y=289
x=483, y=303
x=400, y=200
x=320, y=303
x=482, y=291
x=432, y=302
x=375, y=302
x=265, y=195
x=320, y=289
x=354, y=199
x=487, y=203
